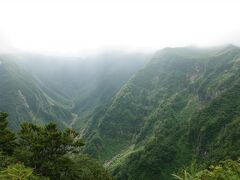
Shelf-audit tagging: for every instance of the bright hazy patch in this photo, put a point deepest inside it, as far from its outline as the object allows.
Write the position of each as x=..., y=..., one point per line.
x=70, y=27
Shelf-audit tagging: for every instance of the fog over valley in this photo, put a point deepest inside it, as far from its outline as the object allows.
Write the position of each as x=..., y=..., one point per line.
x=119, y=90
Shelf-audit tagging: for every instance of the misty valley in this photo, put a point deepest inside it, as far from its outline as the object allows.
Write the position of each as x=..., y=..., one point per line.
x=171, y=114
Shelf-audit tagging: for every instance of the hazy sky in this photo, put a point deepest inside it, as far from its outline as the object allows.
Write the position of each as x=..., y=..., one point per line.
x=70, y=27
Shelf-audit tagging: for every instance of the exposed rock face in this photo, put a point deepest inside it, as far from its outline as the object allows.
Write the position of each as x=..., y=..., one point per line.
x=23, y=98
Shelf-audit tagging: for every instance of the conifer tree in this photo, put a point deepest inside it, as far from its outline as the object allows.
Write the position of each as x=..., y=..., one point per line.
x=7, y=138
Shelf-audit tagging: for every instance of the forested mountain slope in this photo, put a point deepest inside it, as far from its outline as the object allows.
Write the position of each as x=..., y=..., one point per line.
x=23, y=97
x=82, y=84
x=182, y=107
x=41, y=88
x=142, y=121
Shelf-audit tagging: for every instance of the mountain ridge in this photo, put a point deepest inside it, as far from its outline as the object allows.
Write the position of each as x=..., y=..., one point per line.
x=142, y=121
x=172, y=88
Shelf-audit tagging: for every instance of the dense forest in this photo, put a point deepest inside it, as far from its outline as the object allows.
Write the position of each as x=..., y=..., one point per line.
x=44, y=152
x=182, y=107
x=171, y=115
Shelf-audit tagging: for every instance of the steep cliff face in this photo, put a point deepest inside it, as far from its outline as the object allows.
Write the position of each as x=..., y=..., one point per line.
x=64, y=89
x=171, y=112
x=143, y=123
x=24, y=98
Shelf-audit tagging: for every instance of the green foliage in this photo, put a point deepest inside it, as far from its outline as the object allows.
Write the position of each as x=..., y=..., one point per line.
x=7, y=138
x=89, y=169
x=185, y=176
x=184, y=105
x=6, y=160
x=46, y=148
x=149, y=162
x=228, y=169
x=47, y=152
x=214, y=132
x=18, y=172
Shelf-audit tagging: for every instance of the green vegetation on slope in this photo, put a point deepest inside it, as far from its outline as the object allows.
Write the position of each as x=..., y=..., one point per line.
x=45, y=88
x=182, y=107
x=25, y=100
x=227, y=169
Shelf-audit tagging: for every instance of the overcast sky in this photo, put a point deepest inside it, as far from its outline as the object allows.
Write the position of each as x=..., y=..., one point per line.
x=72, y=27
